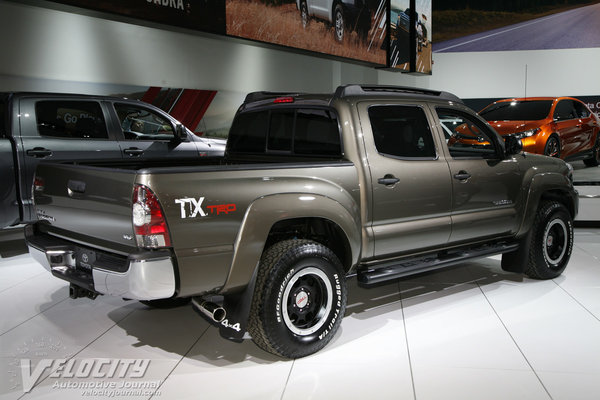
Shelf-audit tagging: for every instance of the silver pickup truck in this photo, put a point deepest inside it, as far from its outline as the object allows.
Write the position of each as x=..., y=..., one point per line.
x=56, y=127
x=371, y=182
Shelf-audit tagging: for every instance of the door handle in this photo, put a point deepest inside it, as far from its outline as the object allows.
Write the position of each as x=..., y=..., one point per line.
x=462, y=176
x=133, y=151
x=38, y=152
x=388, y=180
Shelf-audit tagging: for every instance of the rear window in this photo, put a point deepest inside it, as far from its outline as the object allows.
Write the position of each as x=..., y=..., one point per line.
x=529, y=110
x=305, y=132
x=70, y=119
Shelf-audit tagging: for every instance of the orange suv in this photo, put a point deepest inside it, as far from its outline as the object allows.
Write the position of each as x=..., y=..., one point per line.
x=561, y=127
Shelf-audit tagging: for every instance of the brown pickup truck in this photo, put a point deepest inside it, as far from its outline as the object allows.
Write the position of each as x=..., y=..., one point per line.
x=313, y=189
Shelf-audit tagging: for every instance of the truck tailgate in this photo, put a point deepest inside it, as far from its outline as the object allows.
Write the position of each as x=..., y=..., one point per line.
x=83, y=202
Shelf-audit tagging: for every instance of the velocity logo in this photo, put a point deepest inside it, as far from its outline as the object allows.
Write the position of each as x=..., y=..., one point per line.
x=192, y=208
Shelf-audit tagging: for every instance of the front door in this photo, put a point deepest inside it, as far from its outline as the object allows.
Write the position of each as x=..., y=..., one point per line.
x=485, y=184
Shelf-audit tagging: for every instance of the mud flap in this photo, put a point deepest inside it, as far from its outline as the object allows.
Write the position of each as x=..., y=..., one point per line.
x=233, y=327
x=516, y=261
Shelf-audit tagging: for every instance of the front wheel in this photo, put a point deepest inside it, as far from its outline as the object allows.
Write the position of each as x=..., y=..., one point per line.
x=304, y=14
x=299, y=300
x=551, y=241
x=552, y=148
x=339, y=22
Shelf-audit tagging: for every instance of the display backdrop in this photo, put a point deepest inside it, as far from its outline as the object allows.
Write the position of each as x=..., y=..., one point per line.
x=365, y=31
x=491, y=25
x=410, y=36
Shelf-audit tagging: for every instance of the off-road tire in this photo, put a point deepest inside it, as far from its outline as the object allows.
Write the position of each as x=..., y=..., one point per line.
x=551, y=241
x=167, y=303
x=299, y=299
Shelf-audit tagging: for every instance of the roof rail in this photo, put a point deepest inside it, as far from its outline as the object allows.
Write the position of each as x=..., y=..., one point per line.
x=349, y=90
x=258, y=96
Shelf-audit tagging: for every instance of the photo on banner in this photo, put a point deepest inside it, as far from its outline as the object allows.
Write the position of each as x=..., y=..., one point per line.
x=410, y=36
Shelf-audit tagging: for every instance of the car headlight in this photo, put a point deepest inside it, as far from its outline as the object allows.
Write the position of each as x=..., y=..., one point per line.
x=528, y=133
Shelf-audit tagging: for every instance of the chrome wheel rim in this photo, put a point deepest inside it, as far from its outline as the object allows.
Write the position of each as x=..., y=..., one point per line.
x=555, y=241
x=307, y=301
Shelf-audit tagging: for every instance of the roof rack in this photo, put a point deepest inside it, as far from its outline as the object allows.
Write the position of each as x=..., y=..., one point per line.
x=350, y=90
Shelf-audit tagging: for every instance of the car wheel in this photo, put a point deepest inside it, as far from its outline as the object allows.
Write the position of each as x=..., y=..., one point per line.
x=552, y=148
x=595, y=160
x=304, y=14
x=551, y=241
x=167, y=303
x=299, y=300
x=339, y=22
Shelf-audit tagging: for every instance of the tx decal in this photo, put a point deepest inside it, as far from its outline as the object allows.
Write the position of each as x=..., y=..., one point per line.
x=192, y=208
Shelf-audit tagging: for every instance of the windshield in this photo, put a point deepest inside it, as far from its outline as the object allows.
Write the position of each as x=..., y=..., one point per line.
x=528, y=110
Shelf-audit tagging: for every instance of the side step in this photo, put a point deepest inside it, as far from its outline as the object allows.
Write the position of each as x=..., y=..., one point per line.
x=373, y=274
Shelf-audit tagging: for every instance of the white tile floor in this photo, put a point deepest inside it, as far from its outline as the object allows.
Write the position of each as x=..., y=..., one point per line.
x=470, y=332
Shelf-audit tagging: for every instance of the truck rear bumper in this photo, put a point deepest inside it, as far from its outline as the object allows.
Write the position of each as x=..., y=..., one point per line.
x=143, y=278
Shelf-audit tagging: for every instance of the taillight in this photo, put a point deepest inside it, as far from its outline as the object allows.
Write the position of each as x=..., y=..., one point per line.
x=149, y=221
x=283, y=100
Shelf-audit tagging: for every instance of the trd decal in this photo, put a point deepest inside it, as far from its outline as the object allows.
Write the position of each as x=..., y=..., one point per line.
x=192, y=208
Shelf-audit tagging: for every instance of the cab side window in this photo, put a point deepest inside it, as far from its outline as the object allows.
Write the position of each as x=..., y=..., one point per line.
x=140, y=123
x=402, y=132
x=564, y=110
x=467, y=137
x=70, y=119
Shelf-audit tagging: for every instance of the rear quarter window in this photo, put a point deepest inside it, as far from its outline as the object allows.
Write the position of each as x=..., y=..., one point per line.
x=302, y=132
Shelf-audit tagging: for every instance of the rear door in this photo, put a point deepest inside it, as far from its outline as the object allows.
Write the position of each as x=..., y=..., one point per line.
x=411, y=184
x=485, y=185
x=58, y=129
x=145, y=133
x=9, y=208
x=569, y=127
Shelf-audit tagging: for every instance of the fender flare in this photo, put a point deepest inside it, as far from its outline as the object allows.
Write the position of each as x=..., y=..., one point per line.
x=264, y=212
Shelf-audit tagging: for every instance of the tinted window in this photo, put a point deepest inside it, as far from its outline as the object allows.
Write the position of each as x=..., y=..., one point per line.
x=469, y=137
x=317, y=133
x=70, y=119
x=248, y=131
x=306, y=132
x=581, y=110
x=140, y=123
x=564, y=110
x=281, y=130
x=528, y=110
x=401, y=131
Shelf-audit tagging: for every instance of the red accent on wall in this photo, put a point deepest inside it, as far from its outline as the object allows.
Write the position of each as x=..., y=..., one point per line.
x=192, y=105
x=151, y=94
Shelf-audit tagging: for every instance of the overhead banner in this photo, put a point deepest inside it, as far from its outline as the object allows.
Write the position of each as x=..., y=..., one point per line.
x=202, y=15
x=410, y=36
x=383, y=33
x=348, y=29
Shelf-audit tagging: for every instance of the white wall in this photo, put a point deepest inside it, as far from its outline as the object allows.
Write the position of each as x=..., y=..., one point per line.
x=67, y=52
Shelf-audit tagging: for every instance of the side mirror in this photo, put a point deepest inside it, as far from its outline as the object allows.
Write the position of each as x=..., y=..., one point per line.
x=181, y=133
x=513, y=145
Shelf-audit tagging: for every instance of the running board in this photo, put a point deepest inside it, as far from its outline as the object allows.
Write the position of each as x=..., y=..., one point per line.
x=397, y=269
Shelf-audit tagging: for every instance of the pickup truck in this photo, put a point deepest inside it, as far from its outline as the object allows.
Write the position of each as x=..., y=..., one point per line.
x=341, y=14
x=313, y=189
x=38, y=127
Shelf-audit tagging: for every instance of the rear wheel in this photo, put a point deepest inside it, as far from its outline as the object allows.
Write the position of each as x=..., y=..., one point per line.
x=552, y=148
x=551, y=242
x=299, y=300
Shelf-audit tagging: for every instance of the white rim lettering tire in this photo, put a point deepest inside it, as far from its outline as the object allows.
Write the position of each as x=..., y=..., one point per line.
x=551, y=241
x=299, y=299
